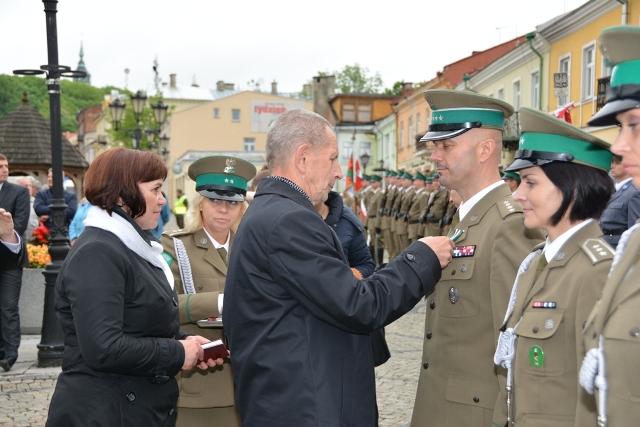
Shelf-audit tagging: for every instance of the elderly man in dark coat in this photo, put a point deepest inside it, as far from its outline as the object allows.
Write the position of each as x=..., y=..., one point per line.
x=296, y=319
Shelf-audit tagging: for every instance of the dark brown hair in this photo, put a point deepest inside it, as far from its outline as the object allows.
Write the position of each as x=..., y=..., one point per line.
x=116, y=173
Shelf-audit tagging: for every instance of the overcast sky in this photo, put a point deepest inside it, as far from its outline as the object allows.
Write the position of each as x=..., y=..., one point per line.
x=243, y=40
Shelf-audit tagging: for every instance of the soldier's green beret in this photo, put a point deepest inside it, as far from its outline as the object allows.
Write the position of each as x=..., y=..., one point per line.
x=365, y=177
x=545, y=139
x=222, y=177
x=407, y=175
x=620, y=45
x=375, y=178
x=511, y=175
x=456, y=112
x=420, y=176
x=391, y=173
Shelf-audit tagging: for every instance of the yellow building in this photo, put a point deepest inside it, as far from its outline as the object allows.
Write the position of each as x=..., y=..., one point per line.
x=413, y=115
x=235, y=125
x=574, y=50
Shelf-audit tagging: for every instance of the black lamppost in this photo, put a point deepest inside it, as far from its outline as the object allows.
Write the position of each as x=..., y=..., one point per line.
x=138, y=101
x=51, y=347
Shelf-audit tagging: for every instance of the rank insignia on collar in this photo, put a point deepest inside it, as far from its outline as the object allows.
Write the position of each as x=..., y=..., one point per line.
x=230, y=166
x=543, y=304
x=536, y=356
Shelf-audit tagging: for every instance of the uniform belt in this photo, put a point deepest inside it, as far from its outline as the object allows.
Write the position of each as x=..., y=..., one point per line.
x=371, y=216
x=414, y=222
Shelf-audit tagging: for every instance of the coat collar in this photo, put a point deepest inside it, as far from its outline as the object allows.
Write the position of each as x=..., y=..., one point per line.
x=275, y=186
x=479, y=210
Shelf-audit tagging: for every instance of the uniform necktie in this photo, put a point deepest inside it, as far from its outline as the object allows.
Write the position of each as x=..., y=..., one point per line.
x=223, y=254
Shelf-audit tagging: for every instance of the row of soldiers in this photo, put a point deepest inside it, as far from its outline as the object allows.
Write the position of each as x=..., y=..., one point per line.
x=407, y=208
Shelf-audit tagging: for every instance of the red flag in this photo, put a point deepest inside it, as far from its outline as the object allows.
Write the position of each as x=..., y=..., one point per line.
x=564, y=112
x=349, y=178
x=358, y=177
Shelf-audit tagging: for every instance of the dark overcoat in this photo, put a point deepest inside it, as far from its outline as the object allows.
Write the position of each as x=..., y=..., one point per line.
x=297, y=321
x=119, y=317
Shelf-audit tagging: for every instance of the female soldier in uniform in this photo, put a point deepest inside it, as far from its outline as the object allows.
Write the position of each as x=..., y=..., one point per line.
x=564, y=189
x=611, y=369
x=198, y=259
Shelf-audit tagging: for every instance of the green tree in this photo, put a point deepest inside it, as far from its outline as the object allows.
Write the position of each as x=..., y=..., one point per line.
x=357, y=79
x=395, y=90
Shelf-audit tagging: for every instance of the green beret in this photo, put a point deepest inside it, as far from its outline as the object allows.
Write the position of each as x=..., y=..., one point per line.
x=390, y=173
x=374, y=177
x=545, y=139
x=456, y=112
x=222, y=177
x=420, y=176
x=620, y=45
x=407, y=175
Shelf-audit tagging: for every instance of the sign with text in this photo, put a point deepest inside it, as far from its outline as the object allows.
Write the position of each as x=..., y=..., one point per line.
x=560, y=80
x=264, y=113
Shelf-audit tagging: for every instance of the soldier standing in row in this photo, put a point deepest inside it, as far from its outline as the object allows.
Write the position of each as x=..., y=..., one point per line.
x=458, y=383
x=436, y=208
x=611, y=369
x=373, y=205
x=402, y=237
x=418, y=206
x=387, y=219
x=198, y=259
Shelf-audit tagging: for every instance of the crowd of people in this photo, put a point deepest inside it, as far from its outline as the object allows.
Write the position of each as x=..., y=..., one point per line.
x=530, y=276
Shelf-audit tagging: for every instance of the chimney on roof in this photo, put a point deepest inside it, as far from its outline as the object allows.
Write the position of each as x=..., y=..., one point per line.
x=173, y=81
x=274, y=87
x=221, y=86
x=324, y=87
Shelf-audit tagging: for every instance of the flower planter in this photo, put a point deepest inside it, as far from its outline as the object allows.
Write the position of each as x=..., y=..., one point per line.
x=31, y=300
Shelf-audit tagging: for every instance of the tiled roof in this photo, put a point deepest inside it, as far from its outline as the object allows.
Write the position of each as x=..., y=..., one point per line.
x=25, y=139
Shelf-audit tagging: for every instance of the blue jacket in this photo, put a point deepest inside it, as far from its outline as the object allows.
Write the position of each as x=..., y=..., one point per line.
x=43, y=200
x=351, y=233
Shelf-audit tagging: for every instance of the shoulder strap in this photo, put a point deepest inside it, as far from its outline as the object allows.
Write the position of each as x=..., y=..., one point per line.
x=184, y=266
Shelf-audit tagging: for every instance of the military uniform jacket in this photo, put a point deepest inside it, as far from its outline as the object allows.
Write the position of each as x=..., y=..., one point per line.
x=615, y=317
x=395, y=209
x=436, y=211
x=549, y=346
x=405, y=205
x=370, y=198
x=418, y=207
x=390, y=197
x=212, y=388
x=458, y=384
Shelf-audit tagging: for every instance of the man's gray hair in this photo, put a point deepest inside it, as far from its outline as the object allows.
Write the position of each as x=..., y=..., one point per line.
x=293, y=128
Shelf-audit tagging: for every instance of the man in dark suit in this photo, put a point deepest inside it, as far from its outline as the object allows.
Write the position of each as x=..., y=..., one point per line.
x=14, y=202
x=43, y=200
x=296, y=318
x=623, y=209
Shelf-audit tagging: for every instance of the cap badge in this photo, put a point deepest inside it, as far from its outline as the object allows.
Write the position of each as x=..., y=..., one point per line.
x=230, y=166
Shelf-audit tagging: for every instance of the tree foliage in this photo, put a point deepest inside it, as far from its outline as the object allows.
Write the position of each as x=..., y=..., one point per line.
x=74, y=97
x=148, y=125
x=357, y=79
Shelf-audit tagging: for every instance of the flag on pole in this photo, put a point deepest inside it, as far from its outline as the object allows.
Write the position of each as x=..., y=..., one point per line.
x=349, y=177
x=564, y=112
x=357, y=178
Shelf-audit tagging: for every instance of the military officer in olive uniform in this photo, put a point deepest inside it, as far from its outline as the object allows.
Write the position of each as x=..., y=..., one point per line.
x=418, y=206
x=458, y=383
x=374, y=205
x=611, y=369
x=198, y=258
x=436, y=208
x=565, y=187
x=512, y=179
x=405, y=204
x=388, y=217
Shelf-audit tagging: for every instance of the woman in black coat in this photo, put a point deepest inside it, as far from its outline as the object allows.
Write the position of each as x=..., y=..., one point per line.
x=117, y=306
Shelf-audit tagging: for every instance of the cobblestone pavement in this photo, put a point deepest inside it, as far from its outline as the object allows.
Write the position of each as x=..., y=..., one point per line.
x=26, y=390
x=397, y=379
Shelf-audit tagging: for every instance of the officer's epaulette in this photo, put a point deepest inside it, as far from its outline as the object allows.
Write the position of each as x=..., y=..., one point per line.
x=178, y=233
x=597, y=250
x=508, y=206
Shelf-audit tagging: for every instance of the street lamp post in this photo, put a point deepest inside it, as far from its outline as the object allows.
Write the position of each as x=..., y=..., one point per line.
x=364, y=159
x=51, y=347
x=138, y=101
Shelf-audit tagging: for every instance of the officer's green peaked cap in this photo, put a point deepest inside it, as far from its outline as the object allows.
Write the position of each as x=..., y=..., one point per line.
x=222, y=177
x=375, y=177
x=545, y=139
x=456, y=112
x=620, y=46
x=511, y=175
x=420, y=176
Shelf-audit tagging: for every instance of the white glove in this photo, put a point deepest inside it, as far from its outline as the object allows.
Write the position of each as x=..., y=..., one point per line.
x=589, y=370
x=505, y=350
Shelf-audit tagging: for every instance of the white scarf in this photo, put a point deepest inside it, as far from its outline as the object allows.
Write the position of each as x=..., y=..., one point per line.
x=123, y=230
